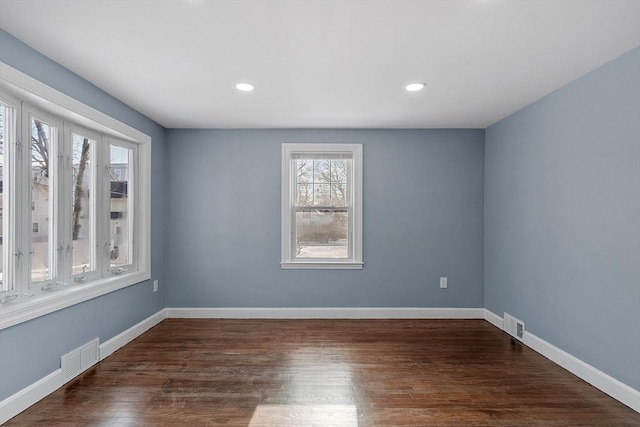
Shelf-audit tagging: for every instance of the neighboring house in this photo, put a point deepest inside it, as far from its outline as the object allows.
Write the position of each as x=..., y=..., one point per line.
x=40, y=218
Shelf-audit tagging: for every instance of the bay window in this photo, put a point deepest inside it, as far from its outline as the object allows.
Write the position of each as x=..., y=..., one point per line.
x=74, y=202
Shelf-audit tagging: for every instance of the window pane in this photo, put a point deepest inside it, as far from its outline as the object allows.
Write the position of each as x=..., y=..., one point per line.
x=41, y=134
x=322, y=234
x=82, y=230
x=322, y=171
x=121, y=212
x=304, y=171
x=339, y=195
x=305, y=195
x=339, y=170
x=322, y=182
x=322, y=195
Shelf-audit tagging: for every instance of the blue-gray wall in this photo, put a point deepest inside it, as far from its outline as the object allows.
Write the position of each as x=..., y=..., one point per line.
x=32, y=350
x=562, y=218
x=423, y=207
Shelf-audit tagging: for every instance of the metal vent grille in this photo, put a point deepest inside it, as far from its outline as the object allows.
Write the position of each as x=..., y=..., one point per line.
x=90, y=354
x=513, y=326
x=79, y=360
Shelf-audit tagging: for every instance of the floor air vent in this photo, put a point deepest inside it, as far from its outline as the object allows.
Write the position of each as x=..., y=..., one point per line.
x=79, y=360
x=513, y=326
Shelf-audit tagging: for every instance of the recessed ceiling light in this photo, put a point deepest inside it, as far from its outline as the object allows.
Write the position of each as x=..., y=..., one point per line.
x=245, y=87
x=414, y=87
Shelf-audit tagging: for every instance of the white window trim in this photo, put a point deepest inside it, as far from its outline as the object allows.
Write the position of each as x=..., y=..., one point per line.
x=47, y=98
x=287, y=261
x=133, y=190
x=69, y=130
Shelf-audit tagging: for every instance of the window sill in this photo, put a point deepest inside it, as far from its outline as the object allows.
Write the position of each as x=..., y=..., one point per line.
x=28, y=308
x=320, y=265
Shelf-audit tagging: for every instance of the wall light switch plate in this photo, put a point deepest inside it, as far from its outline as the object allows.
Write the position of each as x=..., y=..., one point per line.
x=155, y=286
x=443, y=282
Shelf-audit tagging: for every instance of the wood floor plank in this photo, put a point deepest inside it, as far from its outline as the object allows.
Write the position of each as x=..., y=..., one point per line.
x=347, y=373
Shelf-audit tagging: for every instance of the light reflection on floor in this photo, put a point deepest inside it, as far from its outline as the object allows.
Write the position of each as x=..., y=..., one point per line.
x=318, y=392
x=296, y=415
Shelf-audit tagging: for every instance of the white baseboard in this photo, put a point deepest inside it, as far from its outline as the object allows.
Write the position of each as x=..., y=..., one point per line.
x=326, y=313
x=593, y=376
x=18, y=402
x=13, y=405
x=494, y=319
x=609, y=385
x=110, y=346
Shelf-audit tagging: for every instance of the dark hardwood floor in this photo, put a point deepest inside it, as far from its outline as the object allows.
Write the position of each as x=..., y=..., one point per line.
x=346, y=373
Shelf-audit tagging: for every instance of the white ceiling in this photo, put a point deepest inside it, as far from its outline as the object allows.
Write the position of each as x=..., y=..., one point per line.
x=326, y=63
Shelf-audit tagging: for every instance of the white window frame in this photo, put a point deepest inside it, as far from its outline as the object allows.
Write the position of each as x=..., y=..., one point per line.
x=133, y=192
x=18, y=88
x=288, y=259
x=97, y=217
x=54, y=229
x=10, y=195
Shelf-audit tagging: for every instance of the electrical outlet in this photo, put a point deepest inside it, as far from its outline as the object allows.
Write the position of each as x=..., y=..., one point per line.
x=155, y=286
x=443, y=282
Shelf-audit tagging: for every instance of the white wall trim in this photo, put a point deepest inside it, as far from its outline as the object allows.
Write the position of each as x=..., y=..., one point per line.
x=326, y=313
x=494, y=319
x=288, y=208
x=36, y=306
x=18, y=402
x=110, y=346
x=13, y=405
x=605, y=383
x=593, y=376
x=14, y=79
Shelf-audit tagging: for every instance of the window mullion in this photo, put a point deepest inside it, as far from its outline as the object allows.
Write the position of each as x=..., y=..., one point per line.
x=56, y=238
x=64, y=203
x=293, y=198
x=102, y=208
x=56, y=245
x=94, y=205
x=22, y=203
x=131, y=194
x=57, y=248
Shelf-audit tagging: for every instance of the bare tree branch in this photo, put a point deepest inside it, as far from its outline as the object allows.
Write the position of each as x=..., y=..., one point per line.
x=79, y=190
x=40, y=150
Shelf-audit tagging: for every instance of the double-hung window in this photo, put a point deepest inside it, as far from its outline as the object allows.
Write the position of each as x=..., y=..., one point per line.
x=74, y=203
x=322, y=206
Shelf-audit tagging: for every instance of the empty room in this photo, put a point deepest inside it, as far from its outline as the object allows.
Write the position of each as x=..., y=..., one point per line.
x=320, y=213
